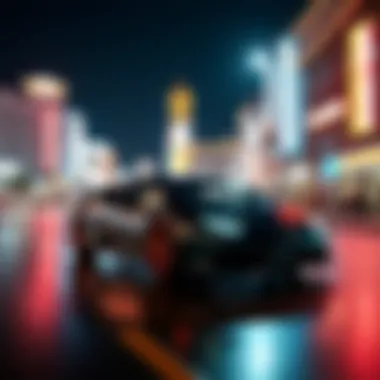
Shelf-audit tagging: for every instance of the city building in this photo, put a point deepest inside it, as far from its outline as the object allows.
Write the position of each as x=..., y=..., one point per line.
x=215, y=157
x=102, y=165
x=243, y=156
x=46, y=96
x=289, y=104
x=179, y=134
x=257, y=152
x=186, y=155
x=143, y=168
x=18, y=144
x=75, y=150
x=342, y=67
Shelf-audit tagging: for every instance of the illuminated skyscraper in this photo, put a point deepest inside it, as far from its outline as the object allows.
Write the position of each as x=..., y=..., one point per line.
x=18, y=139
x=180, y=108
x=290, y=102
x=102, y=163
x=75, y=150
x=47, y=95
x=253, y=152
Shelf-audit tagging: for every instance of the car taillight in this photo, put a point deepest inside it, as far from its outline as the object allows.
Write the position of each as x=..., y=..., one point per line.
x=291, y=215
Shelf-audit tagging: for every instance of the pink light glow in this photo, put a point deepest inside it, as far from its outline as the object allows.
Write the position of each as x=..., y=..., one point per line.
x=38, y=304
x=48, y=119
x=368, y=65
x=349, y=326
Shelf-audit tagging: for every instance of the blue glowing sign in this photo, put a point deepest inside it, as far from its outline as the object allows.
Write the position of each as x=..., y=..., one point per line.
x=330, y=167
x=289, y=99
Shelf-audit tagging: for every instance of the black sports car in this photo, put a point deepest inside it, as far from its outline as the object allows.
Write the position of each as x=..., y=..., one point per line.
x=206, y=239
x=197, y=251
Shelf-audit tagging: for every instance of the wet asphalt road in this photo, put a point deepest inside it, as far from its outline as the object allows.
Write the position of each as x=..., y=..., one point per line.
x=43, y=333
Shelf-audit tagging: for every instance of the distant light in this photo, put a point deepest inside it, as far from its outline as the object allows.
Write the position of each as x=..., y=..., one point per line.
x=289, y=99
x=180, y=104
x=326, y=114
x=330, y=167
x=362, y=80
x=267, y=349
x=45, y=86
x=145, y=168
x=258, y=61
x=300, y=173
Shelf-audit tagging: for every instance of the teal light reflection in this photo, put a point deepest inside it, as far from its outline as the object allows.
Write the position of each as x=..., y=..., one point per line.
x=270, y=349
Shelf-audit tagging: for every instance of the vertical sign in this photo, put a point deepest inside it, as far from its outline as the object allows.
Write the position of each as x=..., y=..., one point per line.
x=180, y=108
x=361, y=78
x=49, y=130
x=289, y=100
x=74, y=153
x=180, y=149
x=47, y=94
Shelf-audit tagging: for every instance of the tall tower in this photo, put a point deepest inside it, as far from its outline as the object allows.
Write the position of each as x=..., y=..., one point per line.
x=75, y=149
x=103, y=163
x=47, y=95
x=253, y=152
x=180, y=108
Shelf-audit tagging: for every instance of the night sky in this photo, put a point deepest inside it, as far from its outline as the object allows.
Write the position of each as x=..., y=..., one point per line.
x=121, y=56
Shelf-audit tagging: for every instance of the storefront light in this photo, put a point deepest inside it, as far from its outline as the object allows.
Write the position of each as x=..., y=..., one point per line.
x=290, y=113
x=362, y=83
x=325, y=115
x=45, y=86
x=361, y=158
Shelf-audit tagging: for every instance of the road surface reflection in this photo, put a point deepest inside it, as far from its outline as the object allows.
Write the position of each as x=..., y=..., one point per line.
x=43, y=334
x=266, y=349
x=341, y=342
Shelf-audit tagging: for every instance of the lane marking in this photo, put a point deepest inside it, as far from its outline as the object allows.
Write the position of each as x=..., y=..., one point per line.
x=155, y=355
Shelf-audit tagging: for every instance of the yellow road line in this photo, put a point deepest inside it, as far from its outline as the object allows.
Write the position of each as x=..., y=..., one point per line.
x=155, y=355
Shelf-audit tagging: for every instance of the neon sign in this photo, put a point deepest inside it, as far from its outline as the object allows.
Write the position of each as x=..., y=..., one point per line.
x=290, y=99
x=325, y=115
x=361, y=78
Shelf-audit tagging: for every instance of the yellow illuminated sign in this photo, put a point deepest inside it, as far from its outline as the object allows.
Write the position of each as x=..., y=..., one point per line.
x=45, y=86
x=360, y=78
x=180, y=104
x=360, y=158
x=181, y=160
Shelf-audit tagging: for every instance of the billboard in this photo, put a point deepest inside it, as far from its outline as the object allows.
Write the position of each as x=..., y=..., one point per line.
x=47, y=94
x=361, y=78
x=289, y=98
